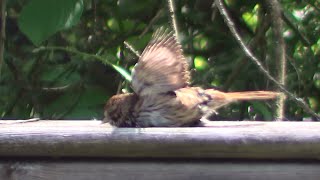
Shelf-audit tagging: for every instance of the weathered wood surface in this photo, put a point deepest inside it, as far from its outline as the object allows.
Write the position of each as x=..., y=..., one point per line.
x=240, y=140
x=145, y=170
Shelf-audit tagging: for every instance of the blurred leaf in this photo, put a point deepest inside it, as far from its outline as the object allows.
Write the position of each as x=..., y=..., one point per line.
x=135, y=8
x=52, y=73
x=61, y=105
x=316, y=80
x=260, y=107
x=40, y=19
x=85, y=104
x=316, y=48
x=113, y=24
x=128, y=25
x=200, y=43
x=139, y=43
x=251, y=18
x=314, y=103
x=317, y=83
x=90, y=104
x=200, y=63
x=123, y=72
x=28, y=65
x=60, y=76
x=215, y=83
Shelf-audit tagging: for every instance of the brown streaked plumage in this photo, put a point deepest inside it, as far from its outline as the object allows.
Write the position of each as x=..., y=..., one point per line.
x=161, y=67
x=162, y=96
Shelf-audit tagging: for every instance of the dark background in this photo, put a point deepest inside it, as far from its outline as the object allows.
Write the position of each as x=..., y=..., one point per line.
x=75, y=81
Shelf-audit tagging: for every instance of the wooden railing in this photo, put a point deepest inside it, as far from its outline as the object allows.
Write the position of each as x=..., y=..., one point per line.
x=221, y=150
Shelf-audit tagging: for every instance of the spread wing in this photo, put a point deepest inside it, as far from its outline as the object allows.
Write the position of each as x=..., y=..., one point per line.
x=161, y=67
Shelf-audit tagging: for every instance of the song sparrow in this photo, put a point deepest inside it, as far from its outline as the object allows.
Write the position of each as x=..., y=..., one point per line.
x=162, y=95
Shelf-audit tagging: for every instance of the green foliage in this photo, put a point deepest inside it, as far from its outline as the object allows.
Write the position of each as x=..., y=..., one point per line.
x=40, y=19
x=262, y=109
x=123, y=72
x=251, y=17
x=85, y=103
x=200, y=63
x=88, y=61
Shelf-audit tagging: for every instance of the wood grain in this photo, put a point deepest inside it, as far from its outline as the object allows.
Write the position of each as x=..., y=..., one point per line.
x=145, y=170
x=231, y=140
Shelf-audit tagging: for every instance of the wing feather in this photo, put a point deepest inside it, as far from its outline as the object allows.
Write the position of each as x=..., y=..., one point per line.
x=161, y=67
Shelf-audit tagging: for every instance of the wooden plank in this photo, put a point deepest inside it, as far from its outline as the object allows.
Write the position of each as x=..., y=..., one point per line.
x=249, y=140
x=78, y=170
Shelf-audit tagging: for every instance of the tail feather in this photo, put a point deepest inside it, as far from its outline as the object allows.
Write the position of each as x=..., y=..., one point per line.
x=219, y=99
x=252, y=95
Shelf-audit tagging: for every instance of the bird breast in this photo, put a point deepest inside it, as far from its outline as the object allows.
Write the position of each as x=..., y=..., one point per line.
x=164, y=110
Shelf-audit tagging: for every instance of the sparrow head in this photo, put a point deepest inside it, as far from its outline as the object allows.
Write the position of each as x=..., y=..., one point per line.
x=118, y=109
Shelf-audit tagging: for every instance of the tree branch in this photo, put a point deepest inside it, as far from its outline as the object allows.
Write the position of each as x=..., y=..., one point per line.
x=261, y=30
x=255, y=60
x=274, y=11
x=173, y=17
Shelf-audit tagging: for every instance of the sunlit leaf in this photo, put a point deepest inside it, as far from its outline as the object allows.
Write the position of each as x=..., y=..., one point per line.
x=200, y=63
x=123, y=72
x=251, y=18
